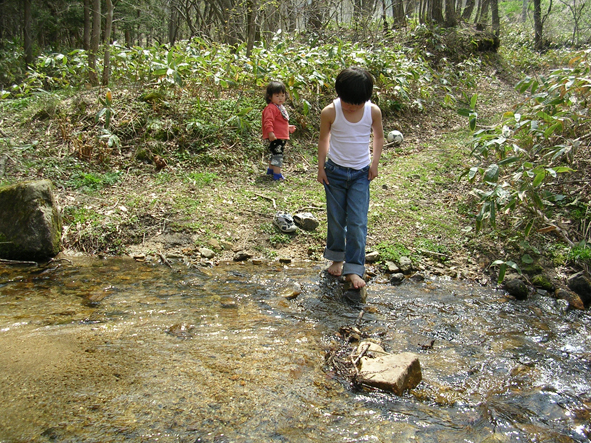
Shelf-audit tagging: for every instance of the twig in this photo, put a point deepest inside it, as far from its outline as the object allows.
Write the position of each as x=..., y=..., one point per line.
x=424, y=251
x=553, y=227
x=317, y=208
x=18, y=262
x=361, y=354
x=164, y=260
x=268, y=198
x=359, y=317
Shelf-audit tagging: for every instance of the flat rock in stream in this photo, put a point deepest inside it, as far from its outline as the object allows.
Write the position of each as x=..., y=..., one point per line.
x=391, y=372
x=30, y=223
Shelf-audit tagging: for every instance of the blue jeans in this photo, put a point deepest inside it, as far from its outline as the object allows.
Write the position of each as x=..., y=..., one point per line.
x=347, y=203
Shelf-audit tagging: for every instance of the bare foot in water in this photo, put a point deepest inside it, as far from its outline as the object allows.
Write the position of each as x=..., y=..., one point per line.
x=356, y=281
x=336, y=268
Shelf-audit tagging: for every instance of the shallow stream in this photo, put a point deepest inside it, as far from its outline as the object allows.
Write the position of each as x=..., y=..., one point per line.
x=109, y=350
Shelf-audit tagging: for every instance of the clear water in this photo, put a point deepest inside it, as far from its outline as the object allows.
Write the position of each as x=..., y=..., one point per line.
x=114, y=350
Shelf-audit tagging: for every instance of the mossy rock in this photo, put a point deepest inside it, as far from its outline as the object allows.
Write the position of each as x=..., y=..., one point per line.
x=543, y=282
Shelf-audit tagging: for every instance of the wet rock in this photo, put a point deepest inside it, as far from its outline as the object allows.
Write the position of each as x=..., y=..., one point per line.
x=391, y=372
x=418, y=277
x=516, y=288
x=242, y=256
x=581, y=284
x=206, y=253
x=372, y=257
x=543, y=282
x=573, y=299
x=291, y=291
x=397, y=278
x=405, y=265
x=30, y=224
x=354, y=296
x=181, y=330
x=285, y=260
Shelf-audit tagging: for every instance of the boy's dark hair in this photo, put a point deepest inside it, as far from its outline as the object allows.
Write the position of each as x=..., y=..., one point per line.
x=354, y=85
x=274, y=87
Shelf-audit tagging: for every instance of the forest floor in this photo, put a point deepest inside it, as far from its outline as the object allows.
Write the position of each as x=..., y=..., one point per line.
x=419, y=207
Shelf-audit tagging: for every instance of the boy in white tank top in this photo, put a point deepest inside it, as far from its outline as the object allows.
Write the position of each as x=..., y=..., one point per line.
x=346, y=167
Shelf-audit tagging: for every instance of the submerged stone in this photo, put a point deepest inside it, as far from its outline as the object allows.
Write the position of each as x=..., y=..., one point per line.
x=30, y=223
x=581, y=284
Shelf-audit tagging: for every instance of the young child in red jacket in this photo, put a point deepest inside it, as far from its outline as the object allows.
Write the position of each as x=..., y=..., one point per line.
x=276, y=127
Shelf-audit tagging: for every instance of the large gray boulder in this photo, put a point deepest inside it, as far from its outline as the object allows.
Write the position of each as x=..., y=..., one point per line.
x=30, y=223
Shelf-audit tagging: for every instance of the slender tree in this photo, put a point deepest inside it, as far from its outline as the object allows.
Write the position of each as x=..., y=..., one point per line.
x=107, y=42
x=94, y=42
x=28, y=40
x=538, y=25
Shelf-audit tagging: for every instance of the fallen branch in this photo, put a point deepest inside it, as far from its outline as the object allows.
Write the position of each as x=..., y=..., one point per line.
x=268, y=198
x=437, y=254
x=164, y=260
x=18, y=262
x=361, y=354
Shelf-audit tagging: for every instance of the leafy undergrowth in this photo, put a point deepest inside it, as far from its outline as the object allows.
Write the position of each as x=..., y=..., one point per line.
x=103, y=151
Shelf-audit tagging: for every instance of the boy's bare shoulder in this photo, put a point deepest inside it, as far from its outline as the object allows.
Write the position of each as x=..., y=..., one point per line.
x=376, y=112
x=328, y=112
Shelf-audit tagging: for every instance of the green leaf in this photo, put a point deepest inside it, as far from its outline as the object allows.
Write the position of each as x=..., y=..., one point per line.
x=527, y=259
x=473, y=123
x=464, y=112
x=473, y=101
x=502, y=271
x=491, y=175
x=529, y=227
x=539, y=178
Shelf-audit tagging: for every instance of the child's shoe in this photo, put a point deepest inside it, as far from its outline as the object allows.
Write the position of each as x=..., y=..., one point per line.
x=277, y=177
x=269, y=171
x=305, y=221
x=284, y=222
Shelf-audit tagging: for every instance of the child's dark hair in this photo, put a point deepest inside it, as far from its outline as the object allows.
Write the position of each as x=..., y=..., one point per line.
x=354, y=85
x=274, y=87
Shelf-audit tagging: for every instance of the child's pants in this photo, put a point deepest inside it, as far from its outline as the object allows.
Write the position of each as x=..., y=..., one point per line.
x=347, y=204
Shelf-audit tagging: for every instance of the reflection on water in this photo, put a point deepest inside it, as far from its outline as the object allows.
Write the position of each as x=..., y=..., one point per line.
x=112, y=350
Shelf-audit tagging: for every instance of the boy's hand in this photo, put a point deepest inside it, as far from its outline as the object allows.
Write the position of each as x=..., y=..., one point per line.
x=272, y=137
x=373, y=172
x=322, y=178
x=292, y=129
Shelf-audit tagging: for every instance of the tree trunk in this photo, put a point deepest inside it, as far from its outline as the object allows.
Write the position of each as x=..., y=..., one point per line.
x=86, y=38
x=251, y=18
x=468, y=9
x=94, y=42
x=437, y=12
x=108, y=27
x=496, y=21
x=538, y=43
x=398, y=13
x=28, y=41
x=451, y=19
x=524, y=11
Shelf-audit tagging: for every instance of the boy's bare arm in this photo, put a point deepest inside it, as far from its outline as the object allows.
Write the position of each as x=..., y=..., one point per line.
x=326, y=118
x=378, y=140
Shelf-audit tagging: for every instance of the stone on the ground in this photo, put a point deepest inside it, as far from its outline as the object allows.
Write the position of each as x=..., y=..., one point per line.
x=405, y=265
x=516, y=288
x=372, y=257
x=206, y=253
x=581, y=284
x=391, y=372
x=30, y=223
x=242, y=256
x=397, y=278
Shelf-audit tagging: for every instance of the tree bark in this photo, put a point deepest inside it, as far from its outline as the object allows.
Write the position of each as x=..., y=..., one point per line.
x=468, y=9
x=251, y=18
x=496, y=21
x=86, y=38
x=94, y=42
x=107, y=56
x=451, y=19
x=28, y=41
x=538, y=27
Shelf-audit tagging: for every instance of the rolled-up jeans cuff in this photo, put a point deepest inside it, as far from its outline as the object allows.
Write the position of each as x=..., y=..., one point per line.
x=352, y=268
x=334, y=255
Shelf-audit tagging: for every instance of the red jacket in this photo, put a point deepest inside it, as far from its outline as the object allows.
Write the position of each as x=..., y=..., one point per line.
x=274, y=122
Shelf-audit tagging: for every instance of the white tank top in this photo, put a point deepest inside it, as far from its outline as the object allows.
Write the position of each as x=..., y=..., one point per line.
x=349, y=142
